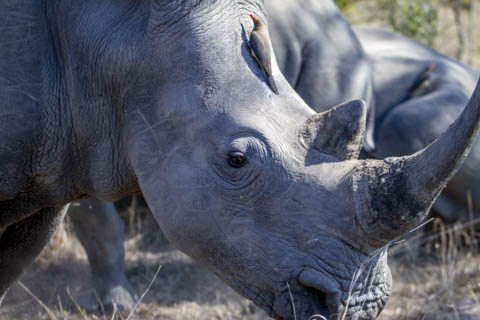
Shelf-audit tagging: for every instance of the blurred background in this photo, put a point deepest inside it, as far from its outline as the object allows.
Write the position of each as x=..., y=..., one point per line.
x=449, y=26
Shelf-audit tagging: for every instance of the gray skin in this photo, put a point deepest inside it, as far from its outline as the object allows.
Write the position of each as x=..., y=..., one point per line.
x=113, y=98
x=323, y=61
x=407, y=124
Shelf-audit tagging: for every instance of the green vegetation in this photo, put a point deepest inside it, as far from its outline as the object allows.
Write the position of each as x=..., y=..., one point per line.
x=445, y=25
x=417, y=19
x=344, y=4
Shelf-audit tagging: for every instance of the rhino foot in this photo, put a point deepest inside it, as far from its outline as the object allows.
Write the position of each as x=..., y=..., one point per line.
x=122, y=296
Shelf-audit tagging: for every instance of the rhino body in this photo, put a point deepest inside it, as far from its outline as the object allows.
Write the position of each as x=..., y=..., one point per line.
x=112, y=98
x=406, y=124
x=321, y=57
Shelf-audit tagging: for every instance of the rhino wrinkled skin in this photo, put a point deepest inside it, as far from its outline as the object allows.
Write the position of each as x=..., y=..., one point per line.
x=113, y=98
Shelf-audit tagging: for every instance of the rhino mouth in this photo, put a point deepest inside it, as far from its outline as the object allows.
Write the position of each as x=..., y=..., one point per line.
x=313, y=295
x=296, y=301
x=362, y=302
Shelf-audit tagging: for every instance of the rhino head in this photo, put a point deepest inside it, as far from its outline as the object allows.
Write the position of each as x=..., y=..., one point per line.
x=269, y=195
x=258, y=187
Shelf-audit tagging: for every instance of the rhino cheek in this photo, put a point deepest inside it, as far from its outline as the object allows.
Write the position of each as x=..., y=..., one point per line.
x=180, y=216
x=196, y=222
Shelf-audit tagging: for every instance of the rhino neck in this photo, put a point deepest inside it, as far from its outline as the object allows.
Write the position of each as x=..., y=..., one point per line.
x=21, y=83
x=78, y=138
x=90, y=150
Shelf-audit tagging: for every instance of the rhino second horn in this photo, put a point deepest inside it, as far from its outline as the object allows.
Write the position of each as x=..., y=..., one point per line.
x=339, y=131
x=394, y=196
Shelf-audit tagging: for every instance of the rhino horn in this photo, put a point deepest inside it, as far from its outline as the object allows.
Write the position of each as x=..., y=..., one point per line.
x=394, y=195
x=338, y=132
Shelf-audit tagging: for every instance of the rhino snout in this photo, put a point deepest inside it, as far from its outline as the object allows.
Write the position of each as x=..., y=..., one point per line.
x=363, y=304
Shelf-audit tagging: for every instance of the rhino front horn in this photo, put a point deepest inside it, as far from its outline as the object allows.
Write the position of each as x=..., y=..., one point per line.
x=337, y=132
x=394, y=195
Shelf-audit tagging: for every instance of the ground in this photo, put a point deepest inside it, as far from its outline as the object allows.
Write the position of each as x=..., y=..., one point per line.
x=435, y=277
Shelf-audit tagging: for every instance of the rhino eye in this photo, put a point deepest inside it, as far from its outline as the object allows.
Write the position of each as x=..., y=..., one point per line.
x=236, y=159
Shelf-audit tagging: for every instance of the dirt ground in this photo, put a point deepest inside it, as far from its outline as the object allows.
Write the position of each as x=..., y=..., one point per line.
x=60, y=279
x=438, y=281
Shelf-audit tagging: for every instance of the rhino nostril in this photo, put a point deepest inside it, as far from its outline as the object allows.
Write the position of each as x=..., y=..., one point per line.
x=323, y=289
x=320, y=296
x=320, y=302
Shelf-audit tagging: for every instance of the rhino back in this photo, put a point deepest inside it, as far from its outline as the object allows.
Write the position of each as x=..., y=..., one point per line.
x=398, y=61
x=319, y=53
x=406, y=124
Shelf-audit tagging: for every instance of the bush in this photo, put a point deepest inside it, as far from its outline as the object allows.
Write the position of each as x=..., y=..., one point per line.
x=417, y=19
x=343, y=4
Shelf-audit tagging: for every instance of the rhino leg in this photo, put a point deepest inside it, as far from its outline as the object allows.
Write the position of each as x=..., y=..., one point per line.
x=23, y=241
x=100, y=231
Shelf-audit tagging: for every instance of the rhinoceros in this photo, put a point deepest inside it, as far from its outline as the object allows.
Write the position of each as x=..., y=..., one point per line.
x=323, y=75
x=408, y=121
x=108, y=98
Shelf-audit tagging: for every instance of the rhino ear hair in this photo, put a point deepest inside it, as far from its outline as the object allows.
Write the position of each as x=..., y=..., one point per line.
x=339, y=131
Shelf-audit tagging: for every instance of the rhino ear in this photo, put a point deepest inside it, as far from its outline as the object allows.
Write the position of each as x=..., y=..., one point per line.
x=339, y=131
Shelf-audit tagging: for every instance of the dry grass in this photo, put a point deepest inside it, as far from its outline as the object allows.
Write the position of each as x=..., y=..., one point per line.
x=435, y=277
x=56, y=286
